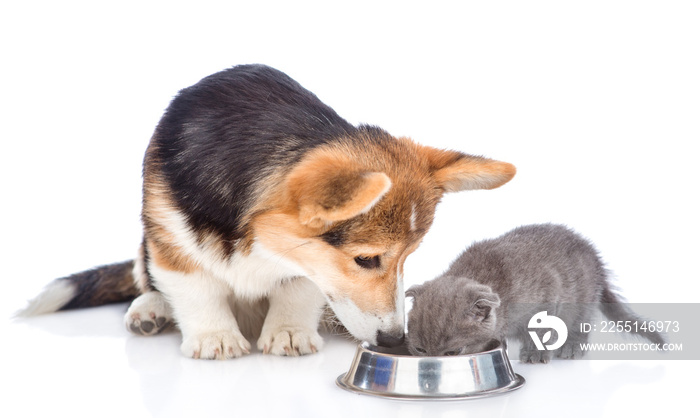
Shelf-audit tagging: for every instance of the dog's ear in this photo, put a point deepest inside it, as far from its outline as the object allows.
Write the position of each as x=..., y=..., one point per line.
x=328, y=188
x=455, y=171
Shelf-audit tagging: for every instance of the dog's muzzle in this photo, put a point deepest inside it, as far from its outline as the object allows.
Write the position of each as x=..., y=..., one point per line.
x=385, y=339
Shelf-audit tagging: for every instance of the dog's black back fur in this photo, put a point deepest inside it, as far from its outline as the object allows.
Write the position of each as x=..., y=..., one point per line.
x=220, y=136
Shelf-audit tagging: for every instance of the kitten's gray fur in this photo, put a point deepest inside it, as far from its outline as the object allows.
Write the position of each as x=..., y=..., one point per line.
x=481, y=296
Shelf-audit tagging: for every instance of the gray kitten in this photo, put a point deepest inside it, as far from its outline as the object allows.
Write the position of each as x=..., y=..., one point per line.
x=495, y=286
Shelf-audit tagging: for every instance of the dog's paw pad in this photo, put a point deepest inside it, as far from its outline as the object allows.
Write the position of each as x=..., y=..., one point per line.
x=148, y=314
x=290, y=342
x=220, y=345
x=151, y=326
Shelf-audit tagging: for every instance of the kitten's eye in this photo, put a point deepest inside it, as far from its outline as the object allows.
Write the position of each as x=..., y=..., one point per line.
x=452, y=353
x=368, y=262
x=419, y=350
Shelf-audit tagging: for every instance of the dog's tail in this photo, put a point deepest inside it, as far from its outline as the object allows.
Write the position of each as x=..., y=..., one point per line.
x=613, y=308
x=112, y=283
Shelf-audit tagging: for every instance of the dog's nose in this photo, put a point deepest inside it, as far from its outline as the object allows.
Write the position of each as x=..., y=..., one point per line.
x=388, y=340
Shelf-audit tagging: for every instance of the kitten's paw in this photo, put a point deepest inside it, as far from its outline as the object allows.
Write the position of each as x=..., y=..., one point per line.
x=535, y=356
x=221, y=345
x=290, y=341
x=571, y=351
x=148, y=314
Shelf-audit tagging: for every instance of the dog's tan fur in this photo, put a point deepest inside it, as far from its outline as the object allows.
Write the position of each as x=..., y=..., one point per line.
x=296, y=217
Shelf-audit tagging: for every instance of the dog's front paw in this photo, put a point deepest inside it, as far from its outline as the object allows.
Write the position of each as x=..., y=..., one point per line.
x=148, y=314
x=219, y=345
x=290, y=341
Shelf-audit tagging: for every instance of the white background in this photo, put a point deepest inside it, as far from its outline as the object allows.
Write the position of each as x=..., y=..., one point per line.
x=597, y=103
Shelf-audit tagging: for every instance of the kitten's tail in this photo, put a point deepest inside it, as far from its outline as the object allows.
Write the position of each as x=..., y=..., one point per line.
x=99, y=286
x=613, y=308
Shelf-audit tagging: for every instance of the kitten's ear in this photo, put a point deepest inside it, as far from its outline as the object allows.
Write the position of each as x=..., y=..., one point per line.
x=486, y=302
x=414, y=291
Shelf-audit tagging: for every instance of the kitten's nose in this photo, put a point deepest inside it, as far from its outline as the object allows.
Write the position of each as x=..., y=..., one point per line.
x=388, y=340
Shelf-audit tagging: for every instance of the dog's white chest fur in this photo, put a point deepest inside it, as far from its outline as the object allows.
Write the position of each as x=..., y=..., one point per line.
x=256, y=274
x=251, y=276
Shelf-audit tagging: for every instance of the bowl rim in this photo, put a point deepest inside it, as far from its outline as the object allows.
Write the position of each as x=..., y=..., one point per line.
x=379, y=350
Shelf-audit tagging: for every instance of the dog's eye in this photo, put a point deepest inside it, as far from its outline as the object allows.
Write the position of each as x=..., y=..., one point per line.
x=368, y=262
x=419, y=350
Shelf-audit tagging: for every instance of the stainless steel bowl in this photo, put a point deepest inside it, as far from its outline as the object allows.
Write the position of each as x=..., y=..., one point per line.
x=394, y=373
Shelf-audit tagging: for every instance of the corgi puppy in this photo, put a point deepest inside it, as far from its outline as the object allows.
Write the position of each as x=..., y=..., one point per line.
x=261, y=206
